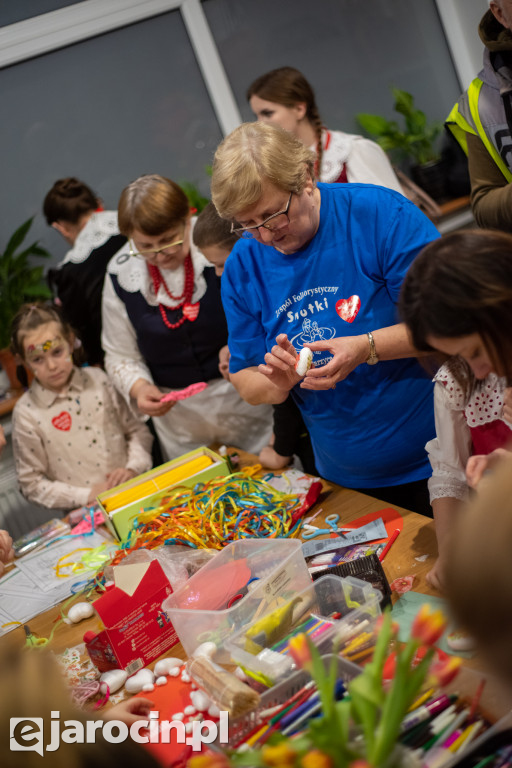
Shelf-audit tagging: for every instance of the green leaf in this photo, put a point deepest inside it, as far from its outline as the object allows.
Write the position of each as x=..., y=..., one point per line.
x=374, y=124
x=18, y=237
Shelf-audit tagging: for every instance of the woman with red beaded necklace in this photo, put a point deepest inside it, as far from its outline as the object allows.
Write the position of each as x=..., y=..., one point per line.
x=164, y=326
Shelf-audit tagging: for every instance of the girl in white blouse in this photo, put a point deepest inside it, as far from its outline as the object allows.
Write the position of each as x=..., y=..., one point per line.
x=73, y=434
x=284, y=97
x=457, y=299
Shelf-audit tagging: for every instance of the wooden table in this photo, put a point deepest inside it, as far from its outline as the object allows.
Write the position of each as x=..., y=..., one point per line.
x=417, y=538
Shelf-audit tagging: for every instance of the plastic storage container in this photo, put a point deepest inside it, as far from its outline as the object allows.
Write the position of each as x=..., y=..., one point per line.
x=240, y=727
x=354, y=599
x=245, y=580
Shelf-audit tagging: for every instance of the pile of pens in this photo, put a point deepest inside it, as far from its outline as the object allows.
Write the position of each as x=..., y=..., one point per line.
x=442, y=728
x=314, y=626
x=289, y=718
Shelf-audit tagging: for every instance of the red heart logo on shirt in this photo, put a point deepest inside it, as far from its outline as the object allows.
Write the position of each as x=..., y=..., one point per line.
x=347, y=309
x=62, y=421
x=191, y=311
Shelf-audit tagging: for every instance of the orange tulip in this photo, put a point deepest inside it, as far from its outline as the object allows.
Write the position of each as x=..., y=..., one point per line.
x=428, y=626
x=316, y=759
x=279, y=756
x=300, y=651
x=443, y=671
x=209, y=760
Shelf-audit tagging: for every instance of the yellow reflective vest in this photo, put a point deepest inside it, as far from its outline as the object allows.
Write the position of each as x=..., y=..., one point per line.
x=465, y=118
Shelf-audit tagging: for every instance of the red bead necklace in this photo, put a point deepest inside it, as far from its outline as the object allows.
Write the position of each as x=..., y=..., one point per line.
x=189, y=311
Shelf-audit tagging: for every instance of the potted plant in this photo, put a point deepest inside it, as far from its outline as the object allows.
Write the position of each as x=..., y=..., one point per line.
x=20, y=281
x=417, y=142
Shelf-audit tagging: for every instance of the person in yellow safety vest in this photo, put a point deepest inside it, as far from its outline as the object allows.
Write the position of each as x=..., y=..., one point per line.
x=481, y=122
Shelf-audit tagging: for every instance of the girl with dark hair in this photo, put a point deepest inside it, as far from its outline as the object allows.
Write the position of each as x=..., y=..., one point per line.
x=284, y=97
x=456, y=300
x=76, y=213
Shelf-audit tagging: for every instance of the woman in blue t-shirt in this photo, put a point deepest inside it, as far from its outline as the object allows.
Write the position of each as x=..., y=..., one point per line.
x=321, y=265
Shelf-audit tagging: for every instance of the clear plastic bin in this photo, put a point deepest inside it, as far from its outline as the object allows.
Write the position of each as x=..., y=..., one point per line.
x=280, y=694
x=246, y=579
x=354, y=599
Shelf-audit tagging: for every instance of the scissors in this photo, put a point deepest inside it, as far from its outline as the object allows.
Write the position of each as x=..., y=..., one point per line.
x=332, y=527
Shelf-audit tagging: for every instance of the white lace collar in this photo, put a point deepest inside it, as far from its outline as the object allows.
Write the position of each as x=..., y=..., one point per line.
x=133, y=276
x=335, y=155
x=100, y=228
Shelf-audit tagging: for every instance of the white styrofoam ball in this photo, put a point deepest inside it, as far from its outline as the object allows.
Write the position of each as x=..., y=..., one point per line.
x=162, y=680
x=200, y=700
x=213, y=710
x=148, y=687
x=190, y=710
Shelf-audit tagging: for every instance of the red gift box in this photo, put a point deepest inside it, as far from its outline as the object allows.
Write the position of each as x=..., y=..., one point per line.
x=137, y=630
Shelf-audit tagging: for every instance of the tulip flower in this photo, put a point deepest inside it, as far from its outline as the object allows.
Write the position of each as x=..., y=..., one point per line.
x=209, y=760
x=300, y=652
x=443, y=671
x=316, y=759
x=428, y=626
x=280, y=755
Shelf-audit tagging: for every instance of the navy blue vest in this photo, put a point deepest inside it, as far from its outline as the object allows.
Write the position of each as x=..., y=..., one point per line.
x=185, y=355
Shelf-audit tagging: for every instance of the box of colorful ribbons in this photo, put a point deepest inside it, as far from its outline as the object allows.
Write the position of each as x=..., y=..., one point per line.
x=121, y=505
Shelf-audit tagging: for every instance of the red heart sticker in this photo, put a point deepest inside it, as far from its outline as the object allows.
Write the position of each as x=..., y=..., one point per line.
x=62, y=421
x=347, y=309
x=191, y=311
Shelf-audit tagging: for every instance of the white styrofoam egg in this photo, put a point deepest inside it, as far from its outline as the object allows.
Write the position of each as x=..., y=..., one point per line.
x=136, y=682
x=78, y=612
x=114, y=678
x=164, y=666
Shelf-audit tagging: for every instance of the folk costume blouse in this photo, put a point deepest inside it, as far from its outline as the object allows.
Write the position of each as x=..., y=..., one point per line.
x=464, y=426
x=138, y=344
x=352, y=158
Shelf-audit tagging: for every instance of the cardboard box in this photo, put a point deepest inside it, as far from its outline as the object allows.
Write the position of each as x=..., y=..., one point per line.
x=137, y=631
x=120, y=520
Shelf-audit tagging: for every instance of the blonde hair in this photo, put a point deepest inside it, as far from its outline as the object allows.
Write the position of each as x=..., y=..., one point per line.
x=478, y=578
x=152, y=204
x=251, y=156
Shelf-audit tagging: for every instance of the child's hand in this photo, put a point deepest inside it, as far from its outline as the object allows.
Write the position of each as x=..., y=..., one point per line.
x=96, y=490
x=435, y=577
x=479, y=465
x=224, y=361
x=130, y=710
x=118, y=476
x=273, y=460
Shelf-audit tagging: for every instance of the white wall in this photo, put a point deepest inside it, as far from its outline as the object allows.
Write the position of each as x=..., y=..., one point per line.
x=460, y=19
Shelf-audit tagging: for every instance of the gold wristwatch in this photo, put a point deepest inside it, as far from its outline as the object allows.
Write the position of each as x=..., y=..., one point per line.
x=373, y=359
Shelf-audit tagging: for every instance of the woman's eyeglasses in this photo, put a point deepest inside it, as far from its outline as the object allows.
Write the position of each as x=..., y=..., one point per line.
x=152, y=252
x=272, y=223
